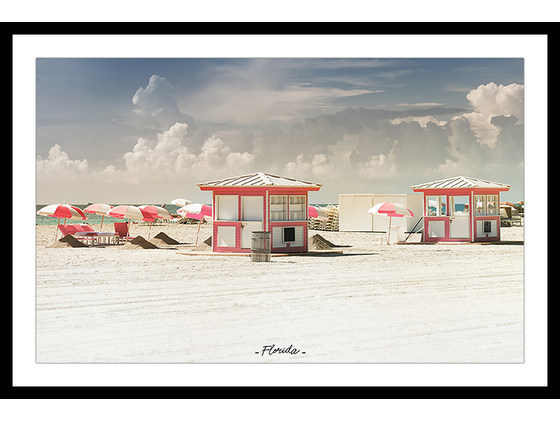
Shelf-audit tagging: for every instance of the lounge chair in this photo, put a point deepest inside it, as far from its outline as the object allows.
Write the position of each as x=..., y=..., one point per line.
x=72, y=229
x=64, y=229
x=86, y=228
x=122, y=231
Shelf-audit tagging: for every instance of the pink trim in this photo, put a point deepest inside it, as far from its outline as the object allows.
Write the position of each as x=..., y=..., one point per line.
x=237, y=225
x=436, y=239
x=267, y=223
x=487, y=238
x=472, y=218
x=289, y=248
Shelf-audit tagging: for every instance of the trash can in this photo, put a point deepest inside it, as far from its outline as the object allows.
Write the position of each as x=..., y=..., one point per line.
x=260, y=247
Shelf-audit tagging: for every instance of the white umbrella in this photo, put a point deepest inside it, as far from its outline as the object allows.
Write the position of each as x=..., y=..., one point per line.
x=181, y=202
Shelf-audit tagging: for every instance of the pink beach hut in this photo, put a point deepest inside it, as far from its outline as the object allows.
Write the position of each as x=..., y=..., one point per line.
x=259, y=202
x=461, y=209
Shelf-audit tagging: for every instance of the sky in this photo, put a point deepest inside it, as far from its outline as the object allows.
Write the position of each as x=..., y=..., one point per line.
x=148, y=130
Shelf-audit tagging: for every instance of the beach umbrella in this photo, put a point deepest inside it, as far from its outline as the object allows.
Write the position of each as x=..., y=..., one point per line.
x=130, y=212
x=196, y=211
x=317, y=212
x=62, y=211
x=181, y=202
x=99, y=209
x=157, y=213
x=392, y=210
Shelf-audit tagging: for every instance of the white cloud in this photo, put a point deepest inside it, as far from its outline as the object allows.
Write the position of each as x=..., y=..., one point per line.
x=253, y=104
x=497, y=100
x=156, y=104
x=493, y=100
x=59, y=167
x=421, y=120
x=317, y=165
x=169, y=157
x=380, y=166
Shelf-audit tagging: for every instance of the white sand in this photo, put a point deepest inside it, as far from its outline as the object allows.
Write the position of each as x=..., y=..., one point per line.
x=374, y=303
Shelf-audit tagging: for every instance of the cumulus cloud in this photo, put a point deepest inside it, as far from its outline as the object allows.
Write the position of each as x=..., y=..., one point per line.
x=493, y=100
x=170, y=157
x=346, y=151
x=58, y=166
x=380, y=166
x=156, y=105
x=316, y=165
x=498, y=100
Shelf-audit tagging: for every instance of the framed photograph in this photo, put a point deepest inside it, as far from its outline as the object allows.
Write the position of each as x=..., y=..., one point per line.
x=335, y=145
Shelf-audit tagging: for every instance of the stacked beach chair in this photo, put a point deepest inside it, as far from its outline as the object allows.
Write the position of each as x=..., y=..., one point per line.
x=328, y=225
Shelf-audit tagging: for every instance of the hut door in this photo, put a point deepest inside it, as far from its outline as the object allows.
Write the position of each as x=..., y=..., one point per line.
x=252, y=208
x=459, y=218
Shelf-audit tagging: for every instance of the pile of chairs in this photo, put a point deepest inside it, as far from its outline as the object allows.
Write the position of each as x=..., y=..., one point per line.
x=331, y=224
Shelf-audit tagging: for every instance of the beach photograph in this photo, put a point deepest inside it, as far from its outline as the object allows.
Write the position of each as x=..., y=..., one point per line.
x=279, y=210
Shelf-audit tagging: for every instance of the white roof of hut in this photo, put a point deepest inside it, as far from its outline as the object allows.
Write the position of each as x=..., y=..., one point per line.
x=260, y=179
x=461, y=182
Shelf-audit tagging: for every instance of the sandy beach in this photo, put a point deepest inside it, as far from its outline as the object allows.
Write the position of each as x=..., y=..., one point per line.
x=373, y=303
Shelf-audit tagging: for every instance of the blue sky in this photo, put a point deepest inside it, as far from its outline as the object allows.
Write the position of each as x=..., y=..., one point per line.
x=148, y=130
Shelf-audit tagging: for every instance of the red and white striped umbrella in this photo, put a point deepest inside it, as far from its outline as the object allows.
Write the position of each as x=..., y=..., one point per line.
x=99, y=209
x=62, y=211
x=391, y=209
x=196, y=211
x=157, y=213
x=131, y=212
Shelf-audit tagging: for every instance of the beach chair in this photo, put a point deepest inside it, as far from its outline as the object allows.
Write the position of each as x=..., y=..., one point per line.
x=63, y=229
x=86, y=228
x=122, y=231
x=72, y=229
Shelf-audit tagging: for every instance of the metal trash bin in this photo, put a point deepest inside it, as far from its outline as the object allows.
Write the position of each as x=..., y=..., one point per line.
x=260, y=246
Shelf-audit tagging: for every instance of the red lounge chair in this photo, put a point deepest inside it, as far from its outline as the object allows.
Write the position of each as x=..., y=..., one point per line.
x=122, y=230
x=72, y=229
x=87, y=229
x=64, y=229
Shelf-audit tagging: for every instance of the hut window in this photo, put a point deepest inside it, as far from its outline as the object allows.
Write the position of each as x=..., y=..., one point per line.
x=297, y=207
x=278, y=207
x=252, y=208
x=226, y=207
x=459, y=205
x=480, y=205
x=491, y=205
x=437, y=205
